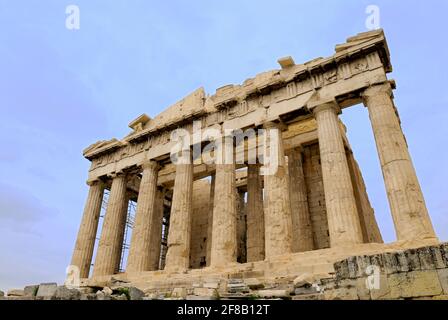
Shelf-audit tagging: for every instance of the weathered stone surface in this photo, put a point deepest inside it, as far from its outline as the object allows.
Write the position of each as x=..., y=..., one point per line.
x=64, y=293
x=343, y=293
x=438, y=256
x=107, y=291
x=15, y=293
x=211, y=285
x=307, y=279
x=254, y=283
x=443, y=278
x=413, y=259
x=179, y=293
x=100, y=295
x=47, y=289
x=414, y=284
x=31, y=291
x=2, y=294
x=390, y=262
x=135, y=293
x=382, y=291
x=273, y=294
x=205, y=292
x=426, y=258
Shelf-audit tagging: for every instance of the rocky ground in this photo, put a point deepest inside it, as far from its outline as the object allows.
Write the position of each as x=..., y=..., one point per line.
x=420, y=273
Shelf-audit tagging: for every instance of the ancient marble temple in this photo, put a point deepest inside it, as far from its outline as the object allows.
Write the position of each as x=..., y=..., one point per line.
x=195, y=220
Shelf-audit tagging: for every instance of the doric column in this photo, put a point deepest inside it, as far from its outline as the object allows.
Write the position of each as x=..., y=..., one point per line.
x=302, y=236
x=156, y=233
x=343, y=220
x=178, y=254
x=277, y=206
x=111, y=242
x=224, y=239
x=241, y=228
x=210, y=220
x=255, y=214
x=145, y=220
x=405, y=196
x=85, y=242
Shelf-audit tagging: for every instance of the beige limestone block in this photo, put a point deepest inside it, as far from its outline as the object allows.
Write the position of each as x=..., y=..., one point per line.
x=255, y=215
x=414, y=284
x=141, y=244
x=210, y=220
x=302, y=236
x=109, y=249
x=343, y=220
x=277, y=206
x=178, y=254
x=405, y=196
x=224, y=237
x=85, y=242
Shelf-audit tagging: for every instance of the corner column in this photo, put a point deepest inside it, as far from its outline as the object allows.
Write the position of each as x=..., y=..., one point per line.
x=302, y=236
x=406, y=201
x=255, y=214
x=277, y=206
x=85, y=242
x=110, y=246
x=145, y=221
x=343, y=221
x=178, y=254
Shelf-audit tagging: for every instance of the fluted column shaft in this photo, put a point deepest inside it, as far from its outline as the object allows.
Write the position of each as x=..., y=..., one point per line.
x=255, y=214
x=156, y=232
x=224, y=237
x=111, y=242
x=277, y=206
x=178, y=254
x=343, y=221
x=406, y=201
x=85, y=242
x=145, y=220
x=210, y=221
x=302, y=236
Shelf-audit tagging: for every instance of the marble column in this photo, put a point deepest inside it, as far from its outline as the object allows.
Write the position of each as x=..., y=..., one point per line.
x=302, y=236
x=210, y=221
x=277, y=206
x=255, y=214
x=111, y=242
x=343, y=221
x=241, y=227
x=178, y=254
x=145, y=220
x=224, y=237
x=156, y=233
x=406, y=201
x=85, y=242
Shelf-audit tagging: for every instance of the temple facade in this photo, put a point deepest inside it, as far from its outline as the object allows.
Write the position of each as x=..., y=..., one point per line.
x=195, y=219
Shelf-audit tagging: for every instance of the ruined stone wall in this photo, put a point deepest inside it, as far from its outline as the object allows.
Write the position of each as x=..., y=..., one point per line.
x=199, y=223
x=316, y=198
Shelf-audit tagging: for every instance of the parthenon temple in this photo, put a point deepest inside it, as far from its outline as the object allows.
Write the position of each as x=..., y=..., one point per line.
x=197, y=220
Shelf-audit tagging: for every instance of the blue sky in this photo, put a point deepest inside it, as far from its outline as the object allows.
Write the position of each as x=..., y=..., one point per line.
x=61, y=90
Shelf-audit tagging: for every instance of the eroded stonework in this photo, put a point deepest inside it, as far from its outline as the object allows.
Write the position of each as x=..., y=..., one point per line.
x=227, y=221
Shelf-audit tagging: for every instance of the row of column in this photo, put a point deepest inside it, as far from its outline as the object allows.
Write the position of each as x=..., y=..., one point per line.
x=269, y=226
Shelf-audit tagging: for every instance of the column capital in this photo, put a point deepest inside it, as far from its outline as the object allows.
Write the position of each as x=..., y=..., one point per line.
x=116, y=174
x=150, y=164
x=317, y=106
x=273, y=125
x=94, y=182
x=379, y=88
